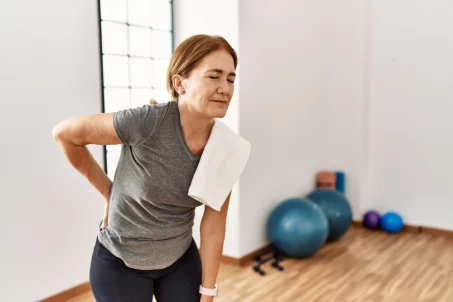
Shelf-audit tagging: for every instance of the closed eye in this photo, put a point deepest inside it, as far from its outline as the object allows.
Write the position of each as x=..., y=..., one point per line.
x=216, y=78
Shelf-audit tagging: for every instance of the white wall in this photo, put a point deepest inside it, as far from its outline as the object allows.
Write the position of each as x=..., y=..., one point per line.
x=389, y=106
x=282, y=109
x=411, y=109
x=345, y=121
x=49, y=62
x=215, y=18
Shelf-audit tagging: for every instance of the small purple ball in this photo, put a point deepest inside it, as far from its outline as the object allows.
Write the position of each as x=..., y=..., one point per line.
x=372, y=220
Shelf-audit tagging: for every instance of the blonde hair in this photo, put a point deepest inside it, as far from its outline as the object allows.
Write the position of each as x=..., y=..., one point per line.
x=190, y=52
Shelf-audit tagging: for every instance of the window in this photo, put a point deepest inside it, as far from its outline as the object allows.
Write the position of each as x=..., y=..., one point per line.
x=136, y=46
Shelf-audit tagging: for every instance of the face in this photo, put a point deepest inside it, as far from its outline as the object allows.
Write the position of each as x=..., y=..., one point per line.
x=210, y=86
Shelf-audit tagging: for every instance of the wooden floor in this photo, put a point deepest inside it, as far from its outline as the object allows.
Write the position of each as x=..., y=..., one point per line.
x=362, y=266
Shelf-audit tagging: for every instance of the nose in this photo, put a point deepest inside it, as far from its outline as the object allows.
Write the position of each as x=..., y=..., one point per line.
x=224, y=88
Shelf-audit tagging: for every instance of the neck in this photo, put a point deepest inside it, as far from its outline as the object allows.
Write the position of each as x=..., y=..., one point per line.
x=193, y=123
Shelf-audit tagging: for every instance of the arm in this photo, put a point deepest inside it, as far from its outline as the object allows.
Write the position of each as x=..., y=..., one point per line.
x=212, y=230
x=72, y=135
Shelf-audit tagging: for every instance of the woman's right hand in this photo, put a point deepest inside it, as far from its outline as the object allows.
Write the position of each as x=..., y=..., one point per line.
x=105, y=219
x=74, y=135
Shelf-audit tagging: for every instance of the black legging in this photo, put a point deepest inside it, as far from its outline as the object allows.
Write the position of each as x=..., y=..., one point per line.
x=112, y=281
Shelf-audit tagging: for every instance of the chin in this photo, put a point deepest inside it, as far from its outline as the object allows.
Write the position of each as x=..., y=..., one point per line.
x=217, y=113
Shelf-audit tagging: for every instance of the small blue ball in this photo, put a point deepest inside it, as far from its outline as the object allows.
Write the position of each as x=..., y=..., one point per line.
x=392, y=222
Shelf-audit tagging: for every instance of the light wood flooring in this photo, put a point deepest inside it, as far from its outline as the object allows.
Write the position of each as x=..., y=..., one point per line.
x=362, y=266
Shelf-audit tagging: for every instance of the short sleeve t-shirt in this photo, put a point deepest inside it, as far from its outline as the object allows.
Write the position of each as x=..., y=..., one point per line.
x=150, y=215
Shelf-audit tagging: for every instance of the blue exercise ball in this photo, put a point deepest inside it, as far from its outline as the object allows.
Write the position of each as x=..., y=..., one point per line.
x=297, y=227
x=392, y=222
x=337, y=209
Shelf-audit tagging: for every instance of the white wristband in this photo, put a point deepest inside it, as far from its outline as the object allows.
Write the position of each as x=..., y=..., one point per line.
x=209, y=291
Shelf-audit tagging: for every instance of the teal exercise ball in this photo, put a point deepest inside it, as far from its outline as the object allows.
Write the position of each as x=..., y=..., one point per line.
x=297, y=227
x=337, y=209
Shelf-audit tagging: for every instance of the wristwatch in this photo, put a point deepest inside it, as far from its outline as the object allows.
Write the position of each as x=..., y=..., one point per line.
x=209, y=291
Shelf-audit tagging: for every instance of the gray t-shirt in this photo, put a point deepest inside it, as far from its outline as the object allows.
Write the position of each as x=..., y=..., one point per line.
x=151, y=216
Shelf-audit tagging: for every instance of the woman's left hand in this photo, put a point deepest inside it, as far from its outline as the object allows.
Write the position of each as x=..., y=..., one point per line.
x=206, y=298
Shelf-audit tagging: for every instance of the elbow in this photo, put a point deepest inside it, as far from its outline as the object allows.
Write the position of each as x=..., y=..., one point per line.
x=216, y=229
x=60, y=132
x=57, y=132
x=213, y=233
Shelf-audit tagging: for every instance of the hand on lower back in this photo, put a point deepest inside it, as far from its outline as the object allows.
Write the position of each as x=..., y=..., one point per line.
x=105, y=220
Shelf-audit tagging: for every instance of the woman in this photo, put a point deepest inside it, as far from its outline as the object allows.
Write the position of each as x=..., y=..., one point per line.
x=145, y=245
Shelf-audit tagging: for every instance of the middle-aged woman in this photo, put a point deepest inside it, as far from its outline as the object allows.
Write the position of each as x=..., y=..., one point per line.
x=145, y=245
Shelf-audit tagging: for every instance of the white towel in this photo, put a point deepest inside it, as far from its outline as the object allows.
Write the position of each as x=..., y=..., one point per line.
x=222, y=162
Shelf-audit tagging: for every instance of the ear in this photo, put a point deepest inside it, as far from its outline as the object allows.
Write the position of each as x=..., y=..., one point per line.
x=178, y=84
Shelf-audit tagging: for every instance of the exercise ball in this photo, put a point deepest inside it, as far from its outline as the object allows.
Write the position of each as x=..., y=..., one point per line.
x=392, y=222
x=297, y=227
x=372, y=220
x=337, y=210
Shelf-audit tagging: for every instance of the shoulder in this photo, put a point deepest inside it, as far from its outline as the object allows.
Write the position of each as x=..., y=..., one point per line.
x=146, y=111
x=165, y=106
x=137, y=124
x=163, y=111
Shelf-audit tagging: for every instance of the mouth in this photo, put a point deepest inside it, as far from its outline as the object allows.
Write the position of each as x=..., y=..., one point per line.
x=219, y=101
